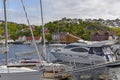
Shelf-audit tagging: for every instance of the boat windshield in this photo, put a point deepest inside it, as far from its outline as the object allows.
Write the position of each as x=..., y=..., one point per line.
x=96, y=50
x=79, y=50
x=70, y=46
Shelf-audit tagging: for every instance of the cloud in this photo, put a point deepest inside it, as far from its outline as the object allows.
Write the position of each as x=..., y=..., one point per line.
x=57, y=9
x=91, y=8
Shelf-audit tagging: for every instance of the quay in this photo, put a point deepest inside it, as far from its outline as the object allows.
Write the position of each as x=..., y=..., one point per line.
x=55, y=76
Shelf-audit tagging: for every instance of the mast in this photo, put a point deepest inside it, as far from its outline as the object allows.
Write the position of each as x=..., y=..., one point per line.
x=6, y=34
x=31, y=30
x=43, y=30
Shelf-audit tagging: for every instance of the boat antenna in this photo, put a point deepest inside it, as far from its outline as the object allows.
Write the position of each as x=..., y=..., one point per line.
x=6, y=34
x=43, y=30
x=30, y=29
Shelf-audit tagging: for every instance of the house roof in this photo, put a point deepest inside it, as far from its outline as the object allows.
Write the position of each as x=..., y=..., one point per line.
x=30, y=38
x=103, y=32
x=73, y=36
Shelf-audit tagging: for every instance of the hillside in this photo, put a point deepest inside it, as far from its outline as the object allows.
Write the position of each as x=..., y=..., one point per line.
x=78, y=27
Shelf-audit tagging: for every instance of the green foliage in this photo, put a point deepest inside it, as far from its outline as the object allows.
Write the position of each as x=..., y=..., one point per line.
x=117, y=30
x=1, y=30
x=48, y=36
x=52, y=27
x=14, y=37
x=37, y=30
x=12, y=28
x=82, y=29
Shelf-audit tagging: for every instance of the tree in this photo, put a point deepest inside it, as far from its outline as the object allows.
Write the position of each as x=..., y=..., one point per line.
x=14, y=37
x=48, y=36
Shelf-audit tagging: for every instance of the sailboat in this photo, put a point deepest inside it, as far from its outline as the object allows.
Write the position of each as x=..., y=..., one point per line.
x=15, y=73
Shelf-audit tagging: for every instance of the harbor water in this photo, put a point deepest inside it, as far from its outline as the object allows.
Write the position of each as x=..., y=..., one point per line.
x=103, y=73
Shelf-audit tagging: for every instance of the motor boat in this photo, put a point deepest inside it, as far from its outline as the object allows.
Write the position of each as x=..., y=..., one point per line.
x=86, y=52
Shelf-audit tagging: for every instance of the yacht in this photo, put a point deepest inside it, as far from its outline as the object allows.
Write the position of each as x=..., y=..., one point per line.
x=86, y=52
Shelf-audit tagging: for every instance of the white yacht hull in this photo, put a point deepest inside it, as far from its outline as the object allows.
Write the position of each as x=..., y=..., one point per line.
x=82, y=59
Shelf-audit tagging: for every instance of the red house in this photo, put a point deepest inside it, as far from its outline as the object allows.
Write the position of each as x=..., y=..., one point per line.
x=29, y=39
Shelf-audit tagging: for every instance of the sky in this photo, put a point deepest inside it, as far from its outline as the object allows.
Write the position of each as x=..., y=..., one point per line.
x=58, y=9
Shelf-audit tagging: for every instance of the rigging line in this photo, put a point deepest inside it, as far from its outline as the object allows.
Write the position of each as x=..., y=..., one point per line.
x=43, y=30
x=30, y=29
